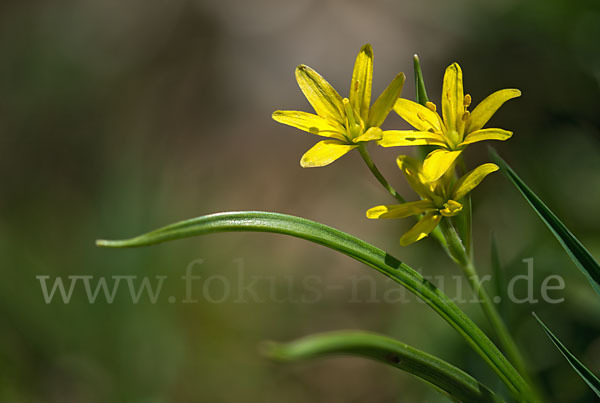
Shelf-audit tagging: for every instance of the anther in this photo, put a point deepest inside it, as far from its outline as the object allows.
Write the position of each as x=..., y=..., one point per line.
x=467, y=101
x=430, y=105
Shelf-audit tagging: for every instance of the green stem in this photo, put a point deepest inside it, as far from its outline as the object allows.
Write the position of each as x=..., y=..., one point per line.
x=464, y=260
x=468, y=212
x=367, y=158
x=489, y=308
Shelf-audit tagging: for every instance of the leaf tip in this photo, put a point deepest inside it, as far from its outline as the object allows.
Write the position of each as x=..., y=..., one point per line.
x=367, y=49
x=273, y=350
x=107, y=243
x=102, y=242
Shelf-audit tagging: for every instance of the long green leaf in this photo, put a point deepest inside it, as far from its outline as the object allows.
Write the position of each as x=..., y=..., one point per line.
x=585, y=374
x=499, y=277
x=574, y=248
x=355, y=248
x=450, y=380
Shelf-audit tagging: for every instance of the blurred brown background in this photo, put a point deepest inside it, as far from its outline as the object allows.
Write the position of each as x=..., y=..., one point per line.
x=120, y=117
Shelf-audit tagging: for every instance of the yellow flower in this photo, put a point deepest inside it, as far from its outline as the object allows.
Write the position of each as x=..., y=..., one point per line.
x=440, y=198
x=347, y=122
x=455, y=130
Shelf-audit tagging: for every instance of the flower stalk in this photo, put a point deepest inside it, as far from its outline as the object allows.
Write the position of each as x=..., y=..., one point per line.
x=362, y=149
x=464, y=260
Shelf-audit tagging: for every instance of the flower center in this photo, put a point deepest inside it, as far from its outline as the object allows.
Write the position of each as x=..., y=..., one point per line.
x=354, y=126
x=453, y=139
x=451, y=208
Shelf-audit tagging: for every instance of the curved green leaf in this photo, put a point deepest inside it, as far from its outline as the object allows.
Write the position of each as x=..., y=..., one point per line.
x=448, y=379
x=574, y=248
x=358, y=249
x=583, y=371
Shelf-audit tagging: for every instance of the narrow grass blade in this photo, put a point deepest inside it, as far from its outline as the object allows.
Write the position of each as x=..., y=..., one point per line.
x=421, y=98
x=585, y=374
x=448, y=379
x=419, y=82
x=574, y=248
x=499, y=278
x=256, y=221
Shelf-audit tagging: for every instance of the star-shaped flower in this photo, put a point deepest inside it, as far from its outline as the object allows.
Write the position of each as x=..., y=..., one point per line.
x=454, y=130
x=347, y=122
x=440, y=198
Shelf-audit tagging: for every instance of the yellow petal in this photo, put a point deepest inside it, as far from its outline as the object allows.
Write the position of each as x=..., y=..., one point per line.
x=310, y=123
x=384, y=104
x=471, y=179
x=486, y=134
x=421, y=229
x=411, y=169
x=362, y=78
x=486, y=109
x=395, y=138
x=437, y=163
x=452, y=96
x=374, y=133
x=324, y=153
x=401, y=210
x=321, y=95
x=417, y=115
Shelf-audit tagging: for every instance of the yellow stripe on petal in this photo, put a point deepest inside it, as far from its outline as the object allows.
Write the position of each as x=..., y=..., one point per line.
x=472, y=179
x=452, y=96
x=486, y=134
x=486, y=109
x=396, y=138
x=401, y=210
x=374, y=133
x=421, y=229
x=362, y=78
x=384, y=104
x=324, y=153
x=321, y=95
x=417, y=115
x=437, y=163
x=310, y=123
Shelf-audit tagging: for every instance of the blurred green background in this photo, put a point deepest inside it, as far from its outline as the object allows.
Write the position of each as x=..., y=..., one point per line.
x=120, y=117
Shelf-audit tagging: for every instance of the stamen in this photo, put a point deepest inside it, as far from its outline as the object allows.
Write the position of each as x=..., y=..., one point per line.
x=467, y=101
x=431, y=106
x=466, y=116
